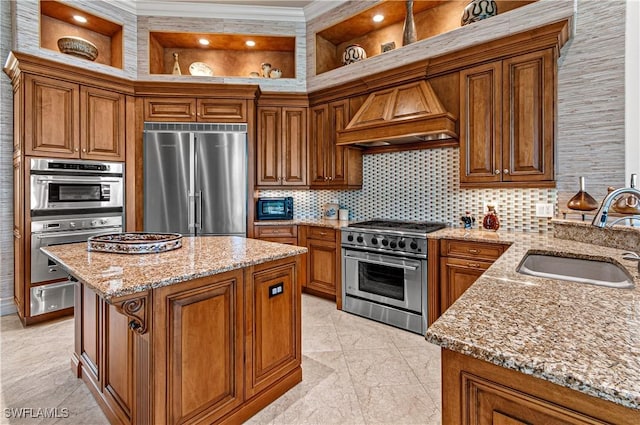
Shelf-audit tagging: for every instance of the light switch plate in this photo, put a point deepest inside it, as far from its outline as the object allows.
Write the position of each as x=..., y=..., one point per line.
x=544, y=210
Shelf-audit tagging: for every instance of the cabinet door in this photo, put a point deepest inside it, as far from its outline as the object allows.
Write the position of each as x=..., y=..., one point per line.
x=337, y=156
x=102, y=124
x=118, y=362
x=51, y=120
x=268, y=152
x=322, y=266
x=294, y=146
x=221, y=110
x=528, y=116
x=90, y=323
x=456, y=276
x=18, y=234
x=170, y=109
x=480, y=124
x=318, y=134
x=273, y=311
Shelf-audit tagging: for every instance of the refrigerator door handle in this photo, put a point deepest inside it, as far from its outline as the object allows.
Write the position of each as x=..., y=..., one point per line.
x=198, y=196
x=190, y=202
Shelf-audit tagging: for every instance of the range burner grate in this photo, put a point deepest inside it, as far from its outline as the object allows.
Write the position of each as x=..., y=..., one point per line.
x=420, y=226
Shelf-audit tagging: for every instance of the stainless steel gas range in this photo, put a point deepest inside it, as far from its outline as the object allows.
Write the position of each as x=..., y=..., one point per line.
x=384, y=271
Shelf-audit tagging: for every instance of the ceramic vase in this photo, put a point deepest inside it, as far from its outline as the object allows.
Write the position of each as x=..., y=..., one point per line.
x=409, y=34
x=266, y=69
x=490, y=221
x=478, y=10
x=353, y=53
x=176, y=65
x=275, y=73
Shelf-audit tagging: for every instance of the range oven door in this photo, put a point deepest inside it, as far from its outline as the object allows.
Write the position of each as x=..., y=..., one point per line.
x=385, y=279
x=56, y=192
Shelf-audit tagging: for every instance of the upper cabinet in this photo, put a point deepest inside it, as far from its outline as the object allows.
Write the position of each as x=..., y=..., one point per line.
x=281, y=154
x=332, y=166
x=431, y=18
x=66, y=120
x=222, y=55
x=507, y=122
x=61, y=20
x=179, y=109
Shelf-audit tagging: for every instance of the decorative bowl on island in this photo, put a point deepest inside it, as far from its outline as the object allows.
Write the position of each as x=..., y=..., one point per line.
x=135, y=243
x=79, y=47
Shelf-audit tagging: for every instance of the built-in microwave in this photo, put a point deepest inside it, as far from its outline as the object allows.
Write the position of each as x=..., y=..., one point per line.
x=275, y=208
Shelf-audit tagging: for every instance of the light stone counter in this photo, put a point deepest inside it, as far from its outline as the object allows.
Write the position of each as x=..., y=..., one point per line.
x=115, y=275
x=321, y=222
x=580, y=336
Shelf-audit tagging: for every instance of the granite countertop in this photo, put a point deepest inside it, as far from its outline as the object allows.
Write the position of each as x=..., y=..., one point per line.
x=580, y=336
x=116, y=275
x=322, y=222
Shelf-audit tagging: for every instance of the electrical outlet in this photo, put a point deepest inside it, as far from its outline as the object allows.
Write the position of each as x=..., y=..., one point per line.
x=544, y=210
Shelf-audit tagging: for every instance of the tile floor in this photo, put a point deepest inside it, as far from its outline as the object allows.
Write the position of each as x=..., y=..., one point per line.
x=355, y=371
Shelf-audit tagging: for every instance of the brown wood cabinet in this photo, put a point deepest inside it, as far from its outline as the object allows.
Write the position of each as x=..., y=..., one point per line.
x=63, y=119
x=323, y=262
x=507, y=118
x=332, y=166
x=478, y=392
x=286, y=234
x=461, y=264
x=181, y=109
x=281, y=155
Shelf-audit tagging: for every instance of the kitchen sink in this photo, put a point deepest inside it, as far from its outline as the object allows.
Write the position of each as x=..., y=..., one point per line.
x=591, y=271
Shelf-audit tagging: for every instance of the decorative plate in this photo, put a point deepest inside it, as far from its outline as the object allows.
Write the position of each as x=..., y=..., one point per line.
x=79, y=47
x=135, y=243
x=200, y=68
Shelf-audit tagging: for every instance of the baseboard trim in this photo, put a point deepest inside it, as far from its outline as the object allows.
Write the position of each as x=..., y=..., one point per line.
x=7, y=306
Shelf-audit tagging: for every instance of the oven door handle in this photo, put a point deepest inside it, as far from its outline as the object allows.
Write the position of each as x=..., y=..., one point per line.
x=76, y=180
x=382, y=263
x=49, y=235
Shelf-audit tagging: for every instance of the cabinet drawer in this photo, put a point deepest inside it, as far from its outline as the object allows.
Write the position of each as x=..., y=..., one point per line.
x=286, y=241
x=276, y=231
x=222, y=110
x=322, y=233
x=470, y=264
x=169, y=109
x=466, y=249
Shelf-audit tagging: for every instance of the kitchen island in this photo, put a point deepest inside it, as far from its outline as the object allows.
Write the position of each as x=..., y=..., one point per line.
x=207, y=333
x=521, y=349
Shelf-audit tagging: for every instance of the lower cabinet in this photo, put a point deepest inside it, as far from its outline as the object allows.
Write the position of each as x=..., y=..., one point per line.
x=323, y=262
x=476, y=392
x=286, y=234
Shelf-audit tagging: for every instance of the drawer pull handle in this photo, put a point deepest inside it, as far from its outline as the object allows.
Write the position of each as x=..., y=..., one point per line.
x=473, y=251
x=474, y=265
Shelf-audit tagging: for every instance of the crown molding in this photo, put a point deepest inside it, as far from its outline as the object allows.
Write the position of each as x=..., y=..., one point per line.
x=212, y=10
x=320, y=7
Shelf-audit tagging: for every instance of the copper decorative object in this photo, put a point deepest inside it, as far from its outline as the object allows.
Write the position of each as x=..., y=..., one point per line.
x=629, y=203
x=582, y=201
x=490, y=221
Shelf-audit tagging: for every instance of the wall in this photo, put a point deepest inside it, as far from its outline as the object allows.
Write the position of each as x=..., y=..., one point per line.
x=424, y=185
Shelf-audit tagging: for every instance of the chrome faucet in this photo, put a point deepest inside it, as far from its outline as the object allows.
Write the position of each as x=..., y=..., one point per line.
x=600, y=219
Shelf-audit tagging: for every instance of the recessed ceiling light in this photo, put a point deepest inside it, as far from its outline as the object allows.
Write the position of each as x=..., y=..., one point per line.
x=80, y=19
x=203, y=41
x=378, y=18
x=250, y=43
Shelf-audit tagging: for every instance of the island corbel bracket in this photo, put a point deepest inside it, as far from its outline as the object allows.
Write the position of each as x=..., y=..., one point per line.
x=136, y=309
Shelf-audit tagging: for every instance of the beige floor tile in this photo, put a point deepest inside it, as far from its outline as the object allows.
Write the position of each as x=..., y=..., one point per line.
x=398, y=404
x=320, y=338
x=379, y=367
x=425, y=364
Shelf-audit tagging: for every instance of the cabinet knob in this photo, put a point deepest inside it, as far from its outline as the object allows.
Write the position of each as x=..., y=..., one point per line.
x=330, y=178
x=505, y=171
x=497, y=172
x=193, y=114
x=84, y=150
x=474, y=265
x=76, y=149
x=473, y=251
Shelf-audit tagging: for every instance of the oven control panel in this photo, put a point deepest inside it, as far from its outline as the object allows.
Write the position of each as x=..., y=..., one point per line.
x=78, y=223
x=384, y=242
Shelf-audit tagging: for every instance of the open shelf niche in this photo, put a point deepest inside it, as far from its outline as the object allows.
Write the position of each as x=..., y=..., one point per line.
x=431, y=18
x=57, y=20
x=226, y=54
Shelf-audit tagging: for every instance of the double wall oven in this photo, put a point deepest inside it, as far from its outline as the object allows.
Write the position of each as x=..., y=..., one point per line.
x=70, y=201
x=384, y=271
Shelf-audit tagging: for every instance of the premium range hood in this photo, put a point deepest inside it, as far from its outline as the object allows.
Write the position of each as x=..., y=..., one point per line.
x=405, y=114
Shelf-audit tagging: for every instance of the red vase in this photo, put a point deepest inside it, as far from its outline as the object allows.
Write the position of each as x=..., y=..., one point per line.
x=490, y=221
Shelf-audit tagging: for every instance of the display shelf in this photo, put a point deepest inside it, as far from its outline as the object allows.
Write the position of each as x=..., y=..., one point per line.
x=57, y=20
x=431, y=18
x=226, y=54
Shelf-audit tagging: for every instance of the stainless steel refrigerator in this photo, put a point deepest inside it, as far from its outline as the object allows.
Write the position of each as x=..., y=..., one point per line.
x=195, y=182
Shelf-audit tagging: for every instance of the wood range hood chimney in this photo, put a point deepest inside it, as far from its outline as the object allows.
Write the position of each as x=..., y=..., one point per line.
x=404, y=114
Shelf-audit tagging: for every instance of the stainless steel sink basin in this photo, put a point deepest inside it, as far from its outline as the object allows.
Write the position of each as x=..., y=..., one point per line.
x=594, y=272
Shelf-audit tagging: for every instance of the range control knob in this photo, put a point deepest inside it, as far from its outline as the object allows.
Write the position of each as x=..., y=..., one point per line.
x=103, y=221
x=374, y=241
x=401, y=244
x=414, y=245
x=360, y=239
x=350, y=238
x=94, y=223
x=72, y=224
x=385, y=242
x=393, y=244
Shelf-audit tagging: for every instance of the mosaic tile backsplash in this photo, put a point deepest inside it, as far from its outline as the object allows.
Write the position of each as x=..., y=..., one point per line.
x=423, y=185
